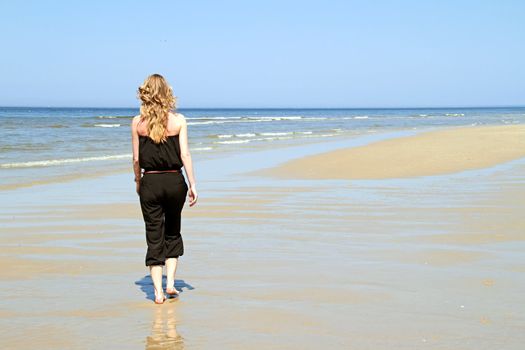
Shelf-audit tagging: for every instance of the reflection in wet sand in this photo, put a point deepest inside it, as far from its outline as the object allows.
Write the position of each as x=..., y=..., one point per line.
x=163, y=329
x=429, y=262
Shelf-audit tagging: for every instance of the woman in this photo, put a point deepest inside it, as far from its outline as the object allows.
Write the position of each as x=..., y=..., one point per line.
x=160, y=147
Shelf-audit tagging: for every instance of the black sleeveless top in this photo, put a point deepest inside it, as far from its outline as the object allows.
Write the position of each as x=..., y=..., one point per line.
x=159, y=156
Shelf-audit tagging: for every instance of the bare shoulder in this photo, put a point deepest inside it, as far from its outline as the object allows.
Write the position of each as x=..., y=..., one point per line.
x=135, y=120
x=178, y=118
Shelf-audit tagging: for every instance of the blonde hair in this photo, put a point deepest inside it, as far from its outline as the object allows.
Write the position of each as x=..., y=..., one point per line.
x=157, y=101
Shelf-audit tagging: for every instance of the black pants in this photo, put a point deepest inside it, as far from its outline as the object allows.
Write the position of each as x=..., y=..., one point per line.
x=162, y=197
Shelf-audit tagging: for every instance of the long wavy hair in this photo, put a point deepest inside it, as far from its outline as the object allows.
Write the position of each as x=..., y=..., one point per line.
x=157, y=101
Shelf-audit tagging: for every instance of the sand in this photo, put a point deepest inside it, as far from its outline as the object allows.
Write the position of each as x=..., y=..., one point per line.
x=431, y=153
x=424, y=262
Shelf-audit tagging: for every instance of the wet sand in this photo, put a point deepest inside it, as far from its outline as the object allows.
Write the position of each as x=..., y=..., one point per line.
x=430, y=153
x=421, y=262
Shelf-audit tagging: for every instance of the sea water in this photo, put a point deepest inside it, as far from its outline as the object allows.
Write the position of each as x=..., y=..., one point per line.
x=42, y=144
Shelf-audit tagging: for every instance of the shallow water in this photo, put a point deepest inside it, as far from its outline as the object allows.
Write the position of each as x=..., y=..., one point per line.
x=430, y=262
x=40, y=145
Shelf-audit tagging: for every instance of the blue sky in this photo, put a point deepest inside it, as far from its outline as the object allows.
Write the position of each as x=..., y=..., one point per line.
x=264, y=53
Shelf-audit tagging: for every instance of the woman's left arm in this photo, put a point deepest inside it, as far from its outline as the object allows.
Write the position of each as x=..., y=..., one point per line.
x=135, y=146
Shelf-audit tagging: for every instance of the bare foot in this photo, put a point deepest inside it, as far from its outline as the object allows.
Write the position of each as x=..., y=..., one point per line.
x=172, y=291
x=159, y=299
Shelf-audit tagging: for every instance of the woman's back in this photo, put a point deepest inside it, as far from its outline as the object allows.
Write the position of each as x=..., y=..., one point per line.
x=160, y=156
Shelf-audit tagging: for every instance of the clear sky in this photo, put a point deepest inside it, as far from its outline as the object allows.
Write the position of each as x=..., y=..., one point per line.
x=272, y=53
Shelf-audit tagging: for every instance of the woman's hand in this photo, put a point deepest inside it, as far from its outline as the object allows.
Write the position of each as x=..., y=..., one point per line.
x=192, y=195
x=137, y=183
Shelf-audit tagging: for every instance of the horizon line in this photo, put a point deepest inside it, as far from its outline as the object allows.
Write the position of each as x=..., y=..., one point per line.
x=312, y=108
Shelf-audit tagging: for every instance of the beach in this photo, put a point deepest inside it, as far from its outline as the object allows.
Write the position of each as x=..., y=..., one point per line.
x=403, y=238
x=431, y=153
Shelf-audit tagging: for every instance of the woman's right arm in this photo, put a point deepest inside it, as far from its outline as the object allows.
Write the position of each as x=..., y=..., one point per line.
x=186, y=160
x=135, y=147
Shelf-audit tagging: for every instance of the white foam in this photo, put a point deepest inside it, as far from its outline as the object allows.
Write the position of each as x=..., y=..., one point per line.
x=361, y=117
x=321, y=135
x=204, y=123
x=249, y=134
x=266, y=139
x=51, y=162
x=207, y=122
x=258, y=119
x=233, y=141
x=212, y=118
x=107, y=125
x=227, y=136
x=291, y=118
x=272, y=138
x=277, y=118
x=202, y=149
x=276, y=133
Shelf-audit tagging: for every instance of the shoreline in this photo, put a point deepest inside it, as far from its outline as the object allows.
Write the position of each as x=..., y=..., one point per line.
x=367, y=154
x=121, y=168
x=443, y=151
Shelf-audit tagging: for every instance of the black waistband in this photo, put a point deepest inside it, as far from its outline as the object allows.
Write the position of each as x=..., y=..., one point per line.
x=159, y=170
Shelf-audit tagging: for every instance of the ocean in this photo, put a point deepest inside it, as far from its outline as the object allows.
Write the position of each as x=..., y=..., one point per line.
x=40, y=145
